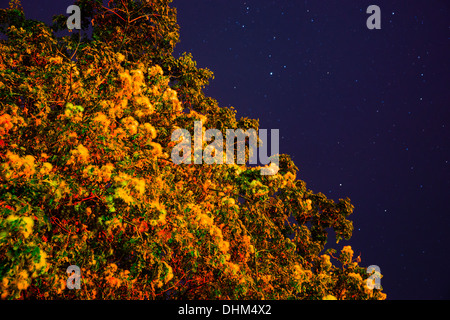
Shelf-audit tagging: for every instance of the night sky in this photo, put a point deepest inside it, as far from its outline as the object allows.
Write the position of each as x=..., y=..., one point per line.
x=363, y=113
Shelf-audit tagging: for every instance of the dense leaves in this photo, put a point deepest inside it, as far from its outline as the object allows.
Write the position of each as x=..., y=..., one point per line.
x=87, y=177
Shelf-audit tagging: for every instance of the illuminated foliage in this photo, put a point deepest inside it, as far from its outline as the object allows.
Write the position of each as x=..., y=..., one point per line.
x=87, y=178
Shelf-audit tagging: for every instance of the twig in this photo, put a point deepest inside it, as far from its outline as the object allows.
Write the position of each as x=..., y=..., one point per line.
x=76, y=49
x=114, y=13
x=171, y=286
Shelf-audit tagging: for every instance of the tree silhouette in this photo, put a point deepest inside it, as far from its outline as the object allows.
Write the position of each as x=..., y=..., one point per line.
x=87, y=177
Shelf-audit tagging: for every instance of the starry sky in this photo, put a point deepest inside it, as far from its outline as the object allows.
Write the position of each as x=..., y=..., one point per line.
x=363, y=113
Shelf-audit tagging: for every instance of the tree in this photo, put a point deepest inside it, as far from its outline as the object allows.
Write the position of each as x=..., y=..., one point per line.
x=87, y=178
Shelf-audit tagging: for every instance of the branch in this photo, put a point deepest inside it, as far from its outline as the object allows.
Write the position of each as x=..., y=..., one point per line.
x=114, y=13
x=76, y=49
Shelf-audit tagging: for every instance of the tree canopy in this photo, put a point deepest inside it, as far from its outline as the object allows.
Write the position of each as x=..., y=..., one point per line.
x=87, y=178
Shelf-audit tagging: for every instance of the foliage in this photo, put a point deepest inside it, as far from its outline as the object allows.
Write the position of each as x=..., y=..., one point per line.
x=87, y=180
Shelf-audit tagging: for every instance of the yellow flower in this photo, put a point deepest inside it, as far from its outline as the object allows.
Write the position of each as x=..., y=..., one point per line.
x=347, y=249
x=146, y=107
x=170, y=96
x=138, y=76
x=140, y=186
x=5, y=124
x=347, y=254
x=56, y=60
x=62, y=286
x=18, y=167
x=122, y=178
x=132, y=129
x=157, y=149
x=329, y=297
x=113, y=267
x=81, y=154
x=266, y=278
x=228, y=201
x=289, y=176
x=113, y=281
x=308, y=204
x=224, y=246
x=162, y=218
x=119, y=133
x=102, y=120
x=22, y=285
x=13, y=158
x=298, y=272
x=72, y=136
x=205, y=219
x=90, y=170
x=42, y=261
x=125, y=77
x=84, y=153
x=46, y=168
x=150, y=130
x=22, y=282
x=106, y=171
x=169, y=274
x=130, y=124
x=72, y=110
x=215, y=232
x=28, y=164
x=155, y=70
x=122, y=194
x=155, y=91
x=120, y=57
x=355, y=276
x=29, y=223
x=234, y=268
x=26, y=227
x=326, y=261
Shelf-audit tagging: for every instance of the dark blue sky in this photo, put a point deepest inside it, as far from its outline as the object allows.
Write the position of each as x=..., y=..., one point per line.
x=363, y=113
